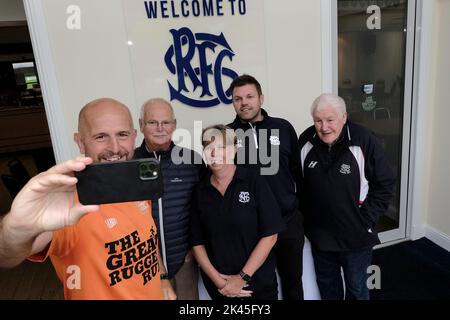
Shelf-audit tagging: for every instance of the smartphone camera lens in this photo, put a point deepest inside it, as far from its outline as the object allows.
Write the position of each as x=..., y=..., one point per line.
x=148, y=171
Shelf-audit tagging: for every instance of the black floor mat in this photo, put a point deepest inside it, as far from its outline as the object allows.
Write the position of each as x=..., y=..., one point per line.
x=413, y=270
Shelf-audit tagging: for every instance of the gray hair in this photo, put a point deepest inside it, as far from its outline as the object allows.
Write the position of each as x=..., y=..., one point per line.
x=152, y=101
x=328, y=100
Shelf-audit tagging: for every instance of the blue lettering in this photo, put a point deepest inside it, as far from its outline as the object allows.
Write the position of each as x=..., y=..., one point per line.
x=223, y=95
x=207, y=68
x=164, y=9
x=151, y=7
x=219, y=7
x=183, y=63
x=232, y=6
x=242, y=7
x=195, y=8
x=174, y=12
x=189, y=60
x=184, y=12
x=208, y=9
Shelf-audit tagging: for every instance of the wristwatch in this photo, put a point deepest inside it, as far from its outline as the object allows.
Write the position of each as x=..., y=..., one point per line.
x=245, y=276
x=164, y=276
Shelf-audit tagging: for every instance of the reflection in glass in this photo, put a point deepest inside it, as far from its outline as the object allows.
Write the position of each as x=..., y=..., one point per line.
x=371, y=77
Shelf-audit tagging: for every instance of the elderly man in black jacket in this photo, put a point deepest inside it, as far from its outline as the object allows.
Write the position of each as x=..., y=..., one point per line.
x=346, y=185
x=180, y=170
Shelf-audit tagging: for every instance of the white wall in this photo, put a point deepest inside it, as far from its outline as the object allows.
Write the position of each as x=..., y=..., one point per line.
x=438, y=218
x=294, y=39
x=95, y=61
x=92, y=62
x=12, y=10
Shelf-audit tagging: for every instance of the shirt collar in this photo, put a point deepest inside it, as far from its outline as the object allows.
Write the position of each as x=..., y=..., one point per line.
x=240, y=174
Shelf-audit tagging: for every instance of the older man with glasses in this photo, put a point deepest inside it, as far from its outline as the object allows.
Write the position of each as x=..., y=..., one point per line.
x=180, y=168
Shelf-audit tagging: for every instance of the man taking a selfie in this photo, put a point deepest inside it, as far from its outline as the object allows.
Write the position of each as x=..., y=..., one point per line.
x=107, y=251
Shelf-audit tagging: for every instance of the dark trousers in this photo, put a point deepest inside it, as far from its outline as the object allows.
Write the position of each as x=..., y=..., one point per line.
x=328, y=273
x=289, y=254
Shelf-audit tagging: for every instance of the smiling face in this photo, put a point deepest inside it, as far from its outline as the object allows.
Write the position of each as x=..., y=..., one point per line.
x=158, y=124
x=219, y=147
x=329, y=123
x=218, y=154
x=247, y=103
x=106, y=131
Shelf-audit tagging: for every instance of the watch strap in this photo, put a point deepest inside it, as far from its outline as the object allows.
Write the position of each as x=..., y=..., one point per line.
x=245, y=276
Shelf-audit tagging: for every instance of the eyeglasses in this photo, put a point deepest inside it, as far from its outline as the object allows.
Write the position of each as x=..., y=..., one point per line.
x=155, y=124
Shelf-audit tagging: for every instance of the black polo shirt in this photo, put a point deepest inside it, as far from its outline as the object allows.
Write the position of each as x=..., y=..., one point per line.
x=230, y=226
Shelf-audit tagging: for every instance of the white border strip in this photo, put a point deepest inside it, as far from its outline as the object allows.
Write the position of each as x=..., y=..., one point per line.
x=329, y=25
x=421, y=121
x=47, y=76
x=438, y=237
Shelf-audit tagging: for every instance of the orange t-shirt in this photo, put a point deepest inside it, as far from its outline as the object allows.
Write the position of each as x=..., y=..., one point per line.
x=110, y=254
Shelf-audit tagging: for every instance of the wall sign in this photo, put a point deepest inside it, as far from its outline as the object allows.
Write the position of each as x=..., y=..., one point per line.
x=189, y=51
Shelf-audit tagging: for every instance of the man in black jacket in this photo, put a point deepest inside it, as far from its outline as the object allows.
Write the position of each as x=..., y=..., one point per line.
x=180, y=169
x=272, y=145
x=346, y=185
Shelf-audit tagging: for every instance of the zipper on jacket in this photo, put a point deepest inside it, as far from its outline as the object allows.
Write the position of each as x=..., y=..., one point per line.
x=161, y=224
x=254, y=135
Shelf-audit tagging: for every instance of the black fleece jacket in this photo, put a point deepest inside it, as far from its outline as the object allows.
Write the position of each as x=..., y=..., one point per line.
x=344, y=189
x=272, y=145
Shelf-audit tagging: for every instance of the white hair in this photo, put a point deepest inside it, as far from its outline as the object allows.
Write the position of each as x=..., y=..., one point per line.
x=152, y=101
x=329, y=100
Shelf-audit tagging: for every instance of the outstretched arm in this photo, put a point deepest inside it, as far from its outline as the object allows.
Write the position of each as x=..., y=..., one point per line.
x=44, y=204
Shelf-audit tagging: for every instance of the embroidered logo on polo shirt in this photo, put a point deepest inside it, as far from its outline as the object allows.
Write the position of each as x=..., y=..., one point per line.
x=142, y=206
x=176, y=180
x=244, y=197
x=274, y=140
x=111, y=222
x=345, y=169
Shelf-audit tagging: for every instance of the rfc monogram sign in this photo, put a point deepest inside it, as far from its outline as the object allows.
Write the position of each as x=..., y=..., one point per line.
x=201, y=63
x=189, y=51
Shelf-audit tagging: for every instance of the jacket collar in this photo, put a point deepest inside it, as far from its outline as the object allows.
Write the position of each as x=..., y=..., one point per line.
x=153, y=154
x=239, y=124
x=241, y=173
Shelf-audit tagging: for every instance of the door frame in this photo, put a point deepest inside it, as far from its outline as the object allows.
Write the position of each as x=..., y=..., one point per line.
x=416, y=118
x=37, y=26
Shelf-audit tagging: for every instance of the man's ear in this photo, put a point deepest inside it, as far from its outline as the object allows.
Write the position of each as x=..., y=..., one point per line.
x=344, y=117
x=261, y=97
x=79, y=141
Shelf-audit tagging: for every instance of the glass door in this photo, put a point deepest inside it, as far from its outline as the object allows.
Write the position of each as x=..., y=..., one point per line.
x=375, y=50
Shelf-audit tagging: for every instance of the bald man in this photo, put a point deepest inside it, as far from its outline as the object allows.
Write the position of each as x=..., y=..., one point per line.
x=99, y=252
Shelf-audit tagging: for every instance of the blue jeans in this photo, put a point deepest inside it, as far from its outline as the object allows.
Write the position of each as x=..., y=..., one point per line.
x=328, y=273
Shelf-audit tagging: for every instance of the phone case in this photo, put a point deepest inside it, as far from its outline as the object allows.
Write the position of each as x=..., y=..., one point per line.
x=120, y=181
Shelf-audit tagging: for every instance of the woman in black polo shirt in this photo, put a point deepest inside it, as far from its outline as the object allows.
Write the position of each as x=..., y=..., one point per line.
x=234, y=224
